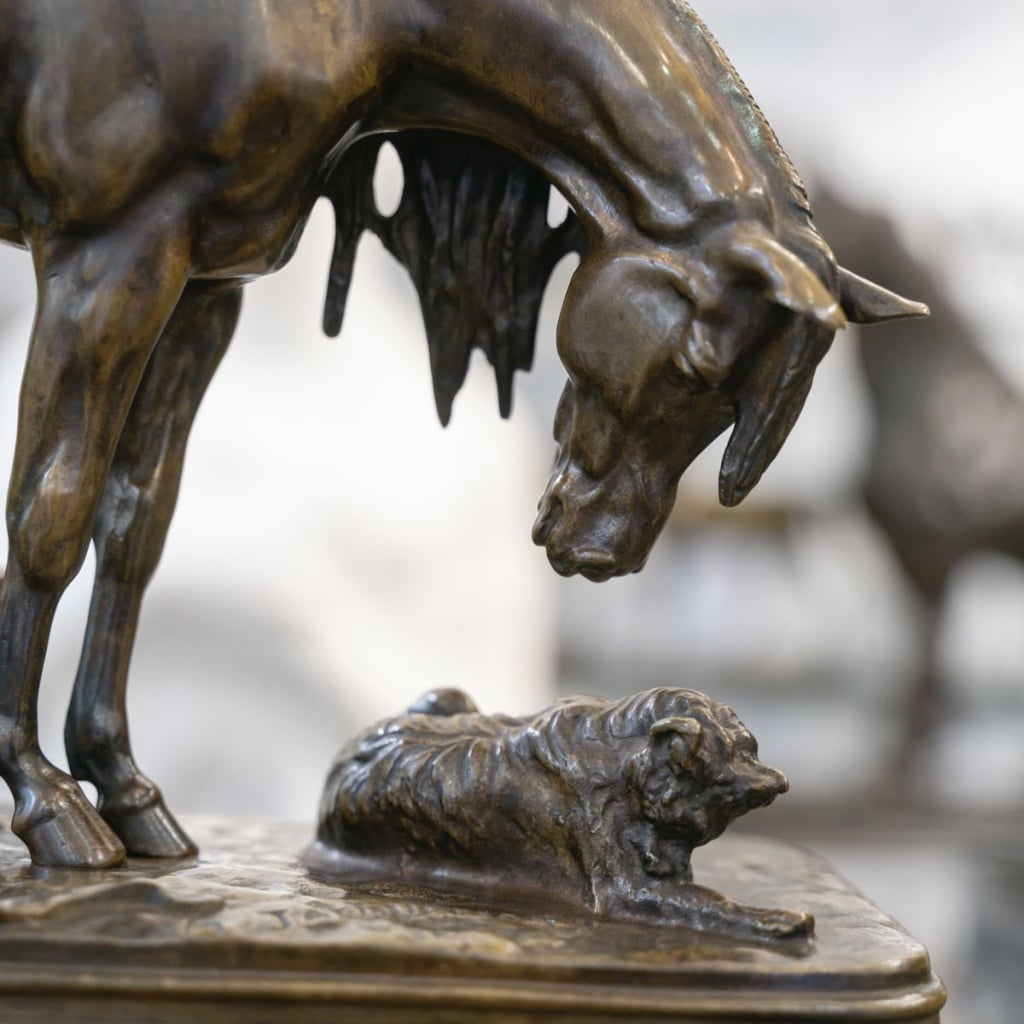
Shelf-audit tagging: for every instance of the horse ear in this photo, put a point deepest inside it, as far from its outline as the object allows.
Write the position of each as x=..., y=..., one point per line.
x=768, y=406
x=749, y=248
x=678, y=740
x=867, y=303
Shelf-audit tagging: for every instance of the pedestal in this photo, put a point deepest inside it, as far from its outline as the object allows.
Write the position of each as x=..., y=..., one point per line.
x=244, y=934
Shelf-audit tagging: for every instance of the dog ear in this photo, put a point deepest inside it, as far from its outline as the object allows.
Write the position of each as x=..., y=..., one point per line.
x=678, y=741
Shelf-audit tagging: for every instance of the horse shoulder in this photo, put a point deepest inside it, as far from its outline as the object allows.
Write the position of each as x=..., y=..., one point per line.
x=119, y=98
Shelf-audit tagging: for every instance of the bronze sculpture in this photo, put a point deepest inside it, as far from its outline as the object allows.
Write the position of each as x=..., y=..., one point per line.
x=940, y=488
x=244, y=935
x=154, y=155
x=595, y=803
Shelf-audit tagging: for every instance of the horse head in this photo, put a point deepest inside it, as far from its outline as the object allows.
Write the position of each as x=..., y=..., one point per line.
x=665, y=345
x=664, y=351
x=705, y=296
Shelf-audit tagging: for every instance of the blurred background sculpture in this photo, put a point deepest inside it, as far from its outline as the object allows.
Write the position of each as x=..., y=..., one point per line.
x=593, y=803
x=942, y=479
x=153, y=162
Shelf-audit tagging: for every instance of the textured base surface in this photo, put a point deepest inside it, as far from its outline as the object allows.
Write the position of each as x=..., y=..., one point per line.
x=243, y=933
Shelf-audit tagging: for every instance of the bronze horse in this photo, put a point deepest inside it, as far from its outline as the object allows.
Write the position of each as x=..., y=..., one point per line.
x=155, y=154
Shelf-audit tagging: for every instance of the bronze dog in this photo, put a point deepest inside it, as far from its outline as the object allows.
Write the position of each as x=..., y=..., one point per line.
x=594, y=802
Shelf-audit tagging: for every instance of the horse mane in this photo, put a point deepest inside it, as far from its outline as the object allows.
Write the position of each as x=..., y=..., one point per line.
x=771, y=140
x=472, y=231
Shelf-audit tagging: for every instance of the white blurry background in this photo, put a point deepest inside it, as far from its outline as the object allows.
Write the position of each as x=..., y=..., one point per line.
x=336, y=553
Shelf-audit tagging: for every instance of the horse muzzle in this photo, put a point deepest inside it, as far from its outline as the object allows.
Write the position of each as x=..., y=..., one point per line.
x=574, y=553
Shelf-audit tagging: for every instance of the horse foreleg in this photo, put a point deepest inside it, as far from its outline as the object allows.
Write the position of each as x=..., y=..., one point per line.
x=102, y=304
x=131, y=525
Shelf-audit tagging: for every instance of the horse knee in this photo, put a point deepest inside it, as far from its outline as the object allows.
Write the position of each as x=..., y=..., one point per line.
x=49, y=530
x=129, y=531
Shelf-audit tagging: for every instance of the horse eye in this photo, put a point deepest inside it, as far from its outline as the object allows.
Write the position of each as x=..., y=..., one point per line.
x=687, y=375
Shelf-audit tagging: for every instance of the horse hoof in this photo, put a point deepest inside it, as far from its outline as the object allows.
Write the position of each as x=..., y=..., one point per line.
x=151, y=831
x=73, y=840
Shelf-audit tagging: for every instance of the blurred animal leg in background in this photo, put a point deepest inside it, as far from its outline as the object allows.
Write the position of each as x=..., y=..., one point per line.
x=131, y=525
x=944, y=478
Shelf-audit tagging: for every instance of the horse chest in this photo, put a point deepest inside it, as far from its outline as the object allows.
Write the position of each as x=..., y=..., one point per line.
x=233, y=244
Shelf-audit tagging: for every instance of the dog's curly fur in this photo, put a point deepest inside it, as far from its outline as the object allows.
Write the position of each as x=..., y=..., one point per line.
x=595, y=801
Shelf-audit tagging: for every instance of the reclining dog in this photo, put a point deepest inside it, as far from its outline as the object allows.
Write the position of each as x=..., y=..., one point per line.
x=596, y=803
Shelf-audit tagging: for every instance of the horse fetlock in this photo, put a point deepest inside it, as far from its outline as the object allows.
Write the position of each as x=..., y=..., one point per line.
x=38, y=783
x=140, y=818
x=129, y=796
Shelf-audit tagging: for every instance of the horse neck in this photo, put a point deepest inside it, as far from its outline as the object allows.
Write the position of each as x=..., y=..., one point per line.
x=632, y=109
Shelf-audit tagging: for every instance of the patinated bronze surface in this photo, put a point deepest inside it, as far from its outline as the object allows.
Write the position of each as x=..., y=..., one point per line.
x=593, y=804
x=244, y=935
x=154, y=154
x=472, y=230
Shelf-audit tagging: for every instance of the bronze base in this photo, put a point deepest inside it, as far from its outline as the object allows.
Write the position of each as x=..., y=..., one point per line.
x=244, y=934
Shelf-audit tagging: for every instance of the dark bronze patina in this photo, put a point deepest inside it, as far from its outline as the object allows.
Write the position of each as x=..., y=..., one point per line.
x=472, y=231
x=594, y=803
x=244, y=934
x=154, y=154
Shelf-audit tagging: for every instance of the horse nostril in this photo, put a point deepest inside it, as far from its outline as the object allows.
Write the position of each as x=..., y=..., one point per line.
x=560, y=565
x=596, y=566
x=548, y=518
